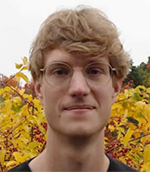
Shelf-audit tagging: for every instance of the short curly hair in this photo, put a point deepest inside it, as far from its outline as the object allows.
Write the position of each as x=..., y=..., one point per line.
x=85, y=31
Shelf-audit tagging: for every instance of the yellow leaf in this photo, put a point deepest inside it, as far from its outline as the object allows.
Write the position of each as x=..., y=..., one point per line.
x=136, y=134
x=23, y=76
x=122, y=159
x=146, y=167
x=25, y=61
x=18, y=66
x=21, y=158
x=18, y=156
x=140, y=87
x=147, y=154
x=111, y=128
x=24, y=68
x=17, y=78
x=132, y=126
x=148, y=90
x=16, y=101
x=145, y=139
x=21, y=92
x=11, y=163
x=1, y=91
x=7, y=89
x=33, y=145
x=127, y=137
x=2, y=155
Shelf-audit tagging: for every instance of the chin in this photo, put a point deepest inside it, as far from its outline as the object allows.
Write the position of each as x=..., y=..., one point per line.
x=82, y=132
x=79, y=138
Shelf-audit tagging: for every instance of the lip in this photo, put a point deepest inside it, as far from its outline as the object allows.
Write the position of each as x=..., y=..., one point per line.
x=79, y=107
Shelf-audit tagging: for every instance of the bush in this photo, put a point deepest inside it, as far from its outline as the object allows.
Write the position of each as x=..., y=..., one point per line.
x=23, y=126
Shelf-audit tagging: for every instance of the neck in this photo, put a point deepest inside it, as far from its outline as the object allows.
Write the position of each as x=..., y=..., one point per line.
x=76, y=153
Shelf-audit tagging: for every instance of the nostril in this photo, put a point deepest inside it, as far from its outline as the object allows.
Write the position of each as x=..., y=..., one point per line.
x=78, y=94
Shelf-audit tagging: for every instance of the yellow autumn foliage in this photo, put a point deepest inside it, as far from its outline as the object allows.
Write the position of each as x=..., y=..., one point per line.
x=23, y=126
x=128, y=138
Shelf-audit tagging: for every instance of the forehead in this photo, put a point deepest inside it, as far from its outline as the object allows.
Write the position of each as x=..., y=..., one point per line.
x=60, y=55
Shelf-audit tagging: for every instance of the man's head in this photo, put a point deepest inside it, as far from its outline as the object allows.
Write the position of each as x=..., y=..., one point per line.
x=83, y=32
x=72, y=61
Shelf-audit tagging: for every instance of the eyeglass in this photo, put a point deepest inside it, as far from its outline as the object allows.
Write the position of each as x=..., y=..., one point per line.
x=58, y=74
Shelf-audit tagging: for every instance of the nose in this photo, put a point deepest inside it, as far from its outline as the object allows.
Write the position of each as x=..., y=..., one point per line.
x=78, y=86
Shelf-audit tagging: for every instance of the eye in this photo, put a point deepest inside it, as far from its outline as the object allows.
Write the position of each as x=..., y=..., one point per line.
x=60, y=71
x=94, y=71
x=57, y=70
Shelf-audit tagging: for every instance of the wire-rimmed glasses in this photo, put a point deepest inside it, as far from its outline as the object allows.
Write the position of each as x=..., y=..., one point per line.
x=58, y=74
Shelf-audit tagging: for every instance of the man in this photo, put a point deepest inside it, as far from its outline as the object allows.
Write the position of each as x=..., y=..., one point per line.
x=77, y=63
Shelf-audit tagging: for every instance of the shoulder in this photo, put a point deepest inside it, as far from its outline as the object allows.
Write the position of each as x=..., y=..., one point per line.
x=22, y=167
x=116, y=165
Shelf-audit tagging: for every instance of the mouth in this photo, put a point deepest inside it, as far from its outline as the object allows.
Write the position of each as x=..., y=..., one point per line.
x=80, y=107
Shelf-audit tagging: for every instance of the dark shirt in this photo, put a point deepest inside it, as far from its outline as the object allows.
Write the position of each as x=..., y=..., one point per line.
x=114, y=166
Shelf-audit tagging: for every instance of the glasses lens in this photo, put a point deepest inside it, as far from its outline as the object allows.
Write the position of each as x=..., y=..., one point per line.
x=57, y=74
x=98, y=73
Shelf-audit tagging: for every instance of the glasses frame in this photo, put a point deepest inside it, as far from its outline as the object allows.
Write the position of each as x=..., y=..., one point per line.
x=112, y=71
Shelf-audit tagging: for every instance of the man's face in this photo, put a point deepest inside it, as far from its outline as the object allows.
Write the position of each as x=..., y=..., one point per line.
x=78, y=108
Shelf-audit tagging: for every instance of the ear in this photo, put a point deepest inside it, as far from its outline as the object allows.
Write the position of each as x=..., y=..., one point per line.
x=38, y=90
x=117, y=86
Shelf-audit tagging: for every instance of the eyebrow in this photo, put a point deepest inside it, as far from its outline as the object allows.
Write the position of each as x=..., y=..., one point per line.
x=87, y=61
x=98, y=60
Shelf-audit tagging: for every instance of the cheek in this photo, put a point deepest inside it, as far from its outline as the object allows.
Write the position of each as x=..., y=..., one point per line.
x=104, y=96
x=51, y=101
x=50, y=108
